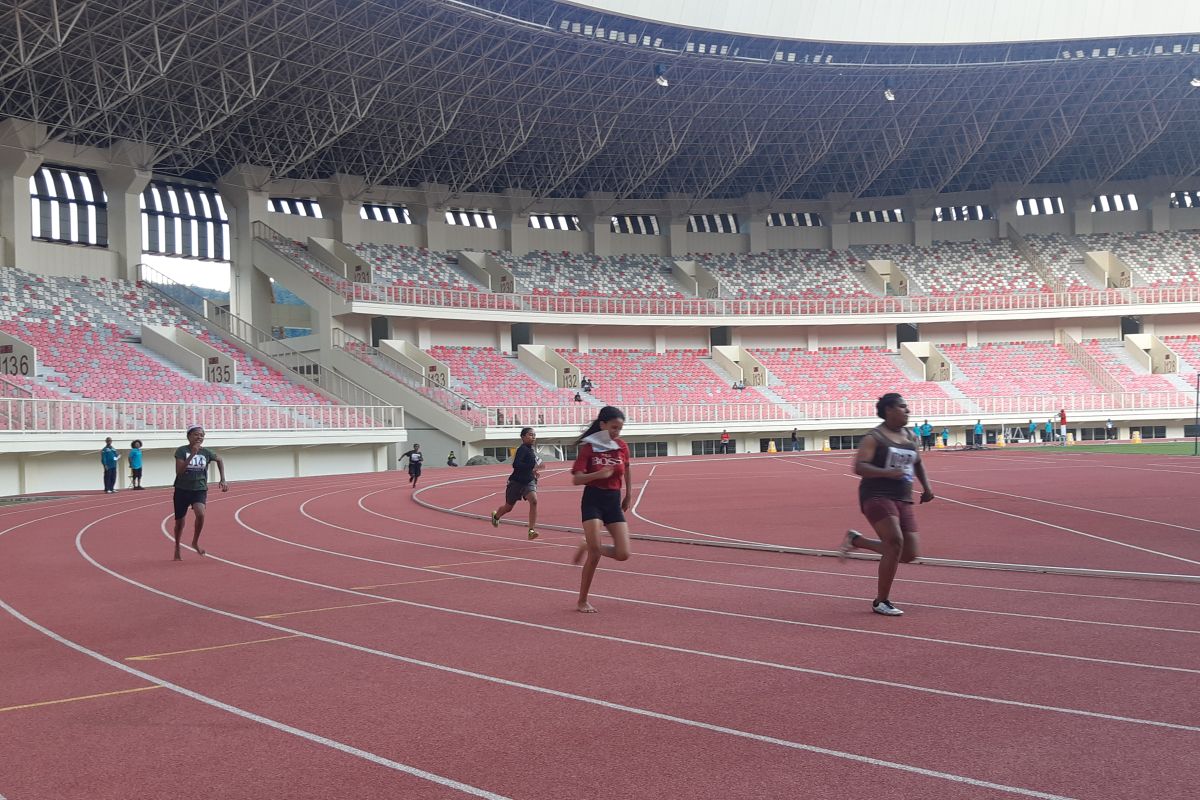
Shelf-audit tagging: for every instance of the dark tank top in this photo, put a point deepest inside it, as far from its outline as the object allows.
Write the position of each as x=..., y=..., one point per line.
x=890, y=455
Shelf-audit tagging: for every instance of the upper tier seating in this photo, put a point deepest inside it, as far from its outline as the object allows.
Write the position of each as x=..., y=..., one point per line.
x=642, y=377
x=1010, y=368
x=490, y=378
x=954, y=268
x=1170, y=258
x=398, y=265
x=1130, y=380
x=1060, y=258
x=586, y=275
x=840, y=373
x=787, y=274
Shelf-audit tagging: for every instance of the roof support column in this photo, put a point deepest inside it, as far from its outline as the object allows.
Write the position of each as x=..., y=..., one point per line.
x=19, y=160
x=596, y=220
x=124, y=183
x=344, y=206
x=430, y=213
x=245, y=192
x=513, y=219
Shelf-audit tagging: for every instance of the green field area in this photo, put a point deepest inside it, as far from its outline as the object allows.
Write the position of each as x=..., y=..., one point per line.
x=1146, y=448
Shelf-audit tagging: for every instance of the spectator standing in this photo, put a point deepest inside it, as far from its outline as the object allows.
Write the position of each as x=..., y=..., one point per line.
x=1048, y=431
x=1032, y=431
x=978, y=438
x=108, y=459
x=725, y=442
x=1062, y=424
x=135, y=463
x=795, y=441
x=1109, y=430
x=945, y=437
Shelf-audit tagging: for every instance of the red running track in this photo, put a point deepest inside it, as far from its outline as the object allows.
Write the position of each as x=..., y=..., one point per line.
x=341, y=640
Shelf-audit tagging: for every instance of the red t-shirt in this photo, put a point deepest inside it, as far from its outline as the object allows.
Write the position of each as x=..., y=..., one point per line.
x=724, y=437
x=1062, y=417
x=591, y=461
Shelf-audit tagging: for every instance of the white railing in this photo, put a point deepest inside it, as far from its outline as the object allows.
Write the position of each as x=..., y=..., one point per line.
x=36, y=415
x=815, y=411
x=704, y=307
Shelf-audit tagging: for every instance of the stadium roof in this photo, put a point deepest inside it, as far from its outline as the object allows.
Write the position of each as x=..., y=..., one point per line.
x=562, y=101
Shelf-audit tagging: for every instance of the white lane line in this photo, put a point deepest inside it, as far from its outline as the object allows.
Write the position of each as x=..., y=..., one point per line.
x=642, y=712
x=677, y=607
x=683, y=579
x=1074, y=508
x=1069, y=530
x=747, y=565
x=250, y=715
x=476, y=500
x=799, y=463
x=240, y=712
x=634, y=511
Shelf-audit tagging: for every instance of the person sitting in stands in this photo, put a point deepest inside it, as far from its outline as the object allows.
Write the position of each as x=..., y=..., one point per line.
x=578, y=397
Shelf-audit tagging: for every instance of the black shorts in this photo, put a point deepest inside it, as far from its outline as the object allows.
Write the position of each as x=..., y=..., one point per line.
x=515, y=492
x=602, y=504
x=186, y=498
x=414, y=470
x=137, y=473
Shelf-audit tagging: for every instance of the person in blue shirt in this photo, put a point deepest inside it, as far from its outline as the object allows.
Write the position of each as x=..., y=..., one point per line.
x=135, y=463
x=1032, y=431
x=978, y=433
x=1048, y=433
x=108, y=459
x=945, y=437
x=926, y=436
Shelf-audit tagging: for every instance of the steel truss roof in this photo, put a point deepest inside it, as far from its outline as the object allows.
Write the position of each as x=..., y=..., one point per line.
x=495, y=95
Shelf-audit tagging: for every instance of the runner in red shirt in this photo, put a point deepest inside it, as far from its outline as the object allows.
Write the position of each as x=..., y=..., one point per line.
x=1062, y=424
x=601, y=468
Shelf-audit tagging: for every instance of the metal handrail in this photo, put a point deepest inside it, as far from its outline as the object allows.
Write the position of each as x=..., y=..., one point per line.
x=302, y=366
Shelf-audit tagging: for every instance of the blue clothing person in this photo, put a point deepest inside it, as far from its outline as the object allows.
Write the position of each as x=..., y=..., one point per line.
x=108, y=459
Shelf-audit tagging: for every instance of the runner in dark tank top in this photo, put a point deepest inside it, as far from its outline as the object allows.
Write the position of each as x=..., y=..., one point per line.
x=888, y=461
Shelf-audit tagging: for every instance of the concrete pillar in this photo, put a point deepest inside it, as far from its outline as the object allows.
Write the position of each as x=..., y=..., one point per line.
x=814, y=340
x=430, y=213
x=581, y=339
x=1080, y=208
x=424, y=335
x=660, y=340
x=19, y=160
x=124, y=183
x=1160, y=212
x=972, y=334
x=595, y=217
x=245, y=191
x=837, y=217
x=513, y=219
x=344, y=207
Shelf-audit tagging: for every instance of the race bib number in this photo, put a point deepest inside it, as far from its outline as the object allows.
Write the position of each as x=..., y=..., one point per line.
x=903, y=460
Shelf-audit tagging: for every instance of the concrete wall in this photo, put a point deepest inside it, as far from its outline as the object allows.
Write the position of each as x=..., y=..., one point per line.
x=300, y=228
x=72, y=471
x=70, y=260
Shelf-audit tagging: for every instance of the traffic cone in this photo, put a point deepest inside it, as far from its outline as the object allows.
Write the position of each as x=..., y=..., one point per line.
x=827, y=448
x=771, y=447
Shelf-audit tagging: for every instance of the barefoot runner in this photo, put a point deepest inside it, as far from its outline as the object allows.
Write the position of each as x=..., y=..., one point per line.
x=602, y=466
x=191, y=484
x=522, y=484
x=888, y=460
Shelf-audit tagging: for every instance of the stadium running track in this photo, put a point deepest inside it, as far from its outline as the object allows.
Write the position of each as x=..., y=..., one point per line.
x=344, y=638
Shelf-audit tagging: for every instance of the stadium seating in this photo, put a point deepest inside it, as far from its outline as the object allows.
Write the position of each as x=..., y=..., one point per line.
x=1010, y=368
x=1188, y=349
x=1130, y=380
x=83, y=329
x=840, y=373
x=954, y=268
x=787, y=274
x=586, y=275
x=1060, y=257
x=397, y=265
x=1170, y=258
x=642, y=377
x=490, y=378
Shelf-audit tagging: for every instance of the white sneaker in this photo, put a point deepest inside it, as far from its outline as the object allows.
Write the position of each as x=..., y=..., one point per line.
x=886, y=608
x=847, y=544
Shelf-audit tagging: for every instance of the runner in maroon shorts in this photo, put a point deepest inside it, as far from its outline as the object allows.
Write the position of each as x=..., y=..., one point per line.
x=888, y=460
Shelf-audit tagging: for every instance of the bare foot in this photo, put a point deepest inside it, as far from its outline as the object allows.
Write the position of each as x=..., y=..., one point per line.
x=585, y=607
x=580, y=552
x=196, y=547
x=178, y=557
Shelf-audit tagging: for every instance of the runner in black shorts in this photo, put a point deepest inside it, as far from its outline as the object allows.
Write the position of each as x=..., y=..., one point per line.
x=601, y=468
x=191, y=484
x=522, y=484
x=415, y=459
x=888, y=460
